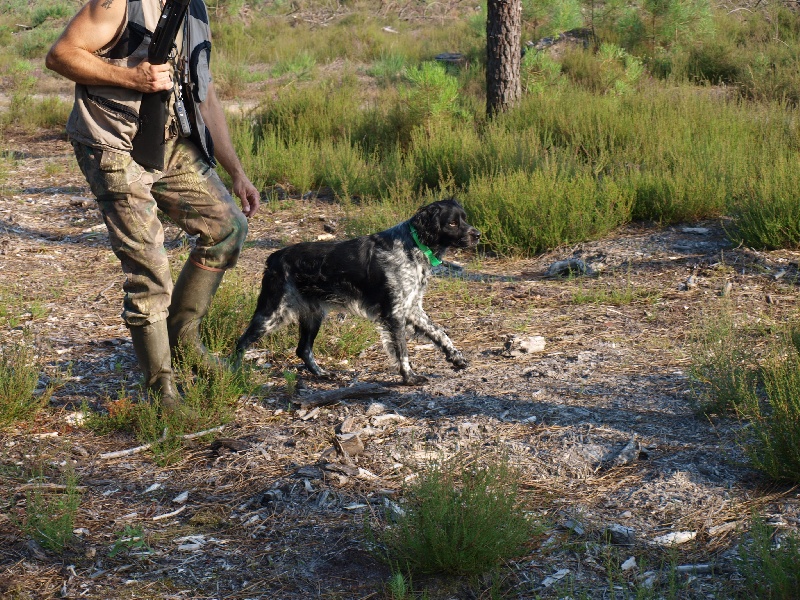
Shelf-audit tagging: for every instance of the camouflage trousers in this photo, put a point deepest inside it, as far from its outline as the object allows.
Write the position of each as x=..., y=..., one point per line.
x=189, y=191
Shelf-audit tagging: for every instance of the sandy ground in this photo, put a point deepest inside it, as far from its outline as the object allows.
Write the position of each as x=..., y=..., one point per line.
x=282, y=515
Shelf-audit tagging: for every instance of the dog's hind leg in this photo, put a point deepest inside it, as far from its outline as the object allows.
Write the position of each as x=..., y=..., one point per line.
x=423, y=325
x=310, y=322
x=271, y=312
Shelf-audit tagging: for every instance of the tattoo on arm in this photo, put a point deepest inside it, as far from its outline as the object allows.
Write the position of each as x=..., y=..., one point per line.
x=107, y=4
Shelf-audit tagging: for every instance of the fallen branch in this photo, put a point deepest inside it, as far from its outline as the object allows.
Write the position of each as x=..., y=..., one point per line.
x=49, y=487
x=191, y=436
x=170, y=514
x=360, y=390
x=137, y=449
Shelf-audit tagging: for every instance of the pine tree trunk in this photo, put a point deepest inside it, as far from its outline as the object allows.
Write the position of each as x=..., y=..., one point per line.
x=503, y=55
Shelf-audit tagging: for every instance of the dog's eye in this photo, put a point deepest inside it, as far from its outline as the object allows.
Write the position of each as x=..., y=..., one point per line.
x=453, y=224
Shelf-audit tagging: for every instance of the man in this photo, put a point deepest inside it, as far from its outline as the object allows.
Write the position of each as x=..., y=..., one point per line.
x=103, y=50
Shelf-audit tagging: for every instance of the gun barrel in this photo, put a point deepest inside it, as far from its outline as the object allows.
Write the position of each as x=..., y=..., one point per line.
x=166, y=31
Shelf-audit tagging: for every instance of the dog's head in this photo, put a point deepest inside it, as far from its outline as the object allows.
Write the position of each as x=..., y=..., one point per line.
x=443, y=224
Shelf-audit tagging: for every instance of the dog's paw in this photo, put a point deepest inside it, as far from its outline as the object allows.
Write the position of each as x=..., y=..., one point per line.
x=459, y=362
x=414, y=379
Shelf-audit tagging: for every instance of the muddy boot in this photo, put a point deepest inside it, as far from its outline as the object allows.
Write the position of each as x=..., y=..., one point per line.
x=151, y=344
x=191, y=299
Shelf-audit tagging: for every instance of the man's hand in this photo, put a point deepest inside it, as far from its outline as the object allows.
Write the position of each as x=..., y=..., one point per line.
x=248, y=194
x=214, y=117
x=150, y=78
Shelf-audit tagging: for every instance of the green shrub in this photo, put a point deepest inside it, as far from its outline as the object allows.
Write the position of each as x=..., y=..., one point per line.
x=540, y=72
x=131, y=538
x=55, y=11
x=527, y=212
x=771, y=571
x=773, y=437
x=50, y=515
x=118, y=414
x=389, y=68
x=724, y=370
x=459, y=518
x=36, y=42
x=209, y=400
x=432, y=94
x=714, y=63
x=300, y=66
x=19, y=376
x=767, y=214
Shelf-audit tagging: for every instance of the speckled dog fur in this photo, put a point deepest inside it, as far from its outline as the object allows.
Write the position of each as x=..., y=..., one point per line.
x=382, y=277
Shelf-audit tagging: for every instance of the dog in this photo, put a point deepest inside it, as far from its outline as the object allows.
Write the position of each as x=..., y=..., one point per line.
x=382, y=277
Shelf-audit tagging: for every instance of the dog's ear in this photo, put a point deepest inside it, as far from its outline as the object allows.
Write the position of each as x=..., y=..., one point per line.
x=427, y=222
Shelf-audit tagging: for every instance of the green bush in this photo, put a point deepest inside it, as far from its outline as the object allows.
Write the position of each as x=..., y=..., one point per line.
x=459, y=518
x=54, y=11
x=50, y=515
x=724, y=370
x=389, y=68
x=713, y=63
x=771, y=571
x=524, y=213
x=772, y=439
x=767, y=214
x=19, y=376
x=540, y=73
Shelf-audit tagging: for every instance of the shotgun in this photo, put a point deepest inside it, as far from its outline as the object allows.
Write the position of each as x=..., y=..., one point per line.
x=148, y=144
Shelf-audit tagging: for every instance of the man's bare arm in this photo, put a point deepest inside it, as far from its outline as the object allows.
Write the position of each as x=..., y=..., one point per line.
x=95, y=26
x=214, y=118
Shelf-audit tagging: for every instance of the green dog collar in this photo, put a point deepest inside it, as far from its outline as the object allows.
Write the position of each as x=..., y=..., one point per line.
x=425, y=250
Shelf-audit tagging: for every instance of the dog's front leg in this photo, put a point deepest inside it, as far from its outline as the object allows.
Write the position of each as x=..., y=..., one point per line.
x=422, y=324
x=393, y=335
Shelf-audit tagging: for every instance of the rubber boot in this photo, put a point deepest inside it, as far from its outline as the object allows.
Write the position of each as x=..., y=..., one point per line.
x=191, y=299
x=151, y=344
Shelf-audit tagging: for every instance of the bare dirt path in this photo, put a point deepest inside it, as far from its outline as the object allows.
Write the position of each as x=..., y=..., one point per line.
x=283, y=517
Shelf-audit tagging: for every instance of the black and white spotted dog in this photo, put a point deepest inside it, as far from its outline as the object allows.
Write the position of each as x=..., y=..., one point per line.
x=382, y=277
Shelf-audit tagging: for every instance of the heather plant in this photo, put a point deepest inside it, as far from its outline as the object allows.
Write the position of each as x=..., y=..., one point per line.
x=526, y=212
x=772, y=440
x=767, y=214
x=724, y=371
x=770, y=567
x=50, y=514
x=19, y=376
x=459, y=518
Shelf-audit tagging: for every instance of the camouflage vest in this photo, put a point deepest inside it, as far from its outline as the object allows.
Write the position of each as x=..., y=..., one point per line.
x=107, y=117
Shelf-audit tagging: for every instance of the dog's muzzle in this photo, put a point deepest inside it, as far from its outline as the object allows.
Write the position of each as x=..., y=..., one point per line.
x=472, y=238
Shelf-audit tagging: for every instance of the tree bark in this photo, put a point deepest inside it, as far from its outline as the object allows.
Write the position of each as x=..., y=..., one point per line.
x=503, y=55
